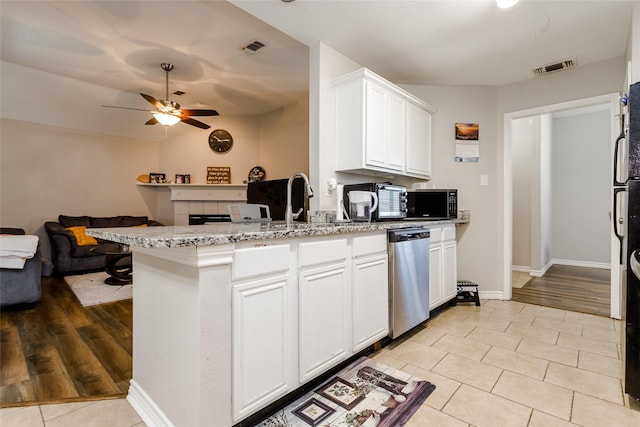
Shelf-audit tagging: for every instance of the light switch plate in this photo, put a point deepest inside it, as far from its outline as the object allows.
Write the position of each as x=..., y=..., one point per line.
x=484, y=180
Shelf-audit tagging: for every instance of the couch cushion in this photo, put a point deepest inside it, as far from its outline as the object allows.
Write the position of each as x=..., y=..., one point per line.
x=80, y=233
x=72, y=221
x=131, y=221
x=104, y=222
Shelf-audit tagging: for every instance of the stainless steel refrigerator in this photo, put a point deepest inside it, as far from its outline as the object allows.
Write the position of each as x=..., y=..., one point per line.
x=631, y=292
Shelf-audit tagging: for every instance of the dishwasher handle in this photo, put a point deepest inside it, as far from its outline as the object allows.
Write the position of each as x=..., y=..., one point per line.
x=408, y=235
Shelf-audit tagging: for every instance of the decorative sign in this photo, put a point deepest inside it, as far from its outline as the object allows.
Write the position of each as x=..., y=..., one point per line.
x=218, y=175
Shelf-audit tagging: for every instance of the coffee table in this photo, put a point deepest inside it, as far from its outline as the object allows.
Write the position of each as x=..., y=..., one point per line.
x=118, y=274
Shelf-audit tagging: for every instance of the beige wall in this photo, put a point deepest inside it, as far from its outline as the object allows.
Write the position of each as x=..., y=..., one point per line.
x=46, y=171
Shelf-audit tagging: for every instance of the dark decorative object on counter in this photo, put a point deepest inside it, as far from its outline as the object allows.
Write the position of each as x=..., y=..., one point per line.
x=257, y=173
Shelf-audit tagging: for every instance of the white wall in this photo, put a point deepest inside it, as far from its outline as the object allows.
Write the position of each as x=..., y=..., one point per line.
x=546, y=207
x=582, y=187
x=477, y=241
x=525, y=132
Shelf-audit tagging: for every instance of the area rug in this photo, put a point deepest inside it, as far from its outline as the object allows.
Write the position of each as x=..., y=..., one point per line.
x=364, y=394
x=91, y=289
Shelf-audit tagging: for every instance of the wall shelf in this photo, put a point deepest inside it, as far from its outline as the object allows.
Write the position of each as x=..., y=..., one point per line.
x=214, y=192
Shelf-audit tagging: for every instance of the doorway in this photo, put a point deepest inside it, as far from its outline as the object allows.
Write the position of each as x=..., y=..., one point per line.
x=553, y=217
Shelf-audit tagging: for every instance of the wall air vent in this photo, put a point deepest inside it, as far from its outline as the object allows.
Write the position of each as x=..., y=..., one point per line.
x=253, y=47
x=563, y=65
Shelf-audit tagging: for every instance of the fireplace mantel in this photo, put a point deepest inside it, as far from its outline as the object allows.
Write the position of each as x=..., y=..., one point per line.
x=200, y=198
x=204, y=192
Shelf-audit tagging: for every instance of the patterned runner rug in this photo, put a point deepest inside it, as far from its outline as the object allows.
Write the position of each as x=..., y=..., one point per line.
x=91, y=289
x=364, y=394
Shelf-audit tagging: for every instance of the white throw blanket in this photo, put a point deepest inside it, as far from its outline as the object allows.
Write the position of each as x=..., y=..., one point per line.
x=15, y=250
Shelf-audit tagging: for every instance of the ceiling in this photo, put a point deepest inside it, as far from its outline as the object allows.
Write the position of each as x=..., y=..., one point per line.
x=119, y=45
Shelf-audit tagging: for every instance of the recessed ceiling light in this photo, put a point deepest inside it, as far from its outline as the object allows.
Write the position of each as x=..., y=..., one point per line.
x=505, y=4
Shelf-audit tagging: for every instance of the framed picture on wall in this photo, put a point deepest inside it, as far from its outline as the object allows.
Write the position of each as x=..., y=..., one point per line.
x=157, y=178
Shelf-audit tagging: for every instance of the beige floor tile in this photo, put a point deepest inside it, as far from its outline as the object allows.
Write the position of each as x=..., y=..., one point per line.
x=120, y=414
x=52, y=411
x=488, y=322
x=590, y=320
x=533, y=332
x=428, y=335
x=589, y=411
x=462, y=347
x=451, y=314
x=499, y=339
x=545, y=397
x=416, y=354
x=468, y=371
x=602, y=348
x=474, y=309
x=512, y=306
x=513, y=315
x=600, y=364
x=458, y=329
x=445, y=387
x=385, y=359
x=554, y=353
x=482, y=409
x=540, y=419
x=539, y=311
x=585, y=382
x=524, y=364
x=426, y=416
x=598, y=334
x=26, y=416
x=558, y=325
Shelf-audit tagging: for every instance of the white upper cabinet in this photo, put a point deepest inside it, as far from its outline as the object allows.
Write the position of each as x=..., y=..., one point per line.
x=381, y=128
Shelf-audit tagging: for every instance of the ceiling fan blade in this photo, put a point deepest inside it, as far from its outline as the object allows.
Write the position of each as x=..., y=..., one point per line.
x=127, y=108
x=195, y=123
x=152, y=101
x=199, y=112
x=151, y=121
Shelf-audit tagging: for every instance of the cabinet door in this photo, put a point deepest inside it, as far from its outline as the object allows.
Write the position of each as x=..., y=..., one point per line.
x=324, y=323
x=370, y=284
x=436, y=275
x=418, y=141
x=375, y=143
x=450, y=279
x=396, y=132
x=262, y=340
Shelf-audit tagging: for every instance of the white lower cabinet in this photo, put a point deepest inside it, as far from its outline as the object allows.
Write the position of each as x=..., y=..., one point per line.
x=301, y=308
x=442, y=265
x=370, y=290
x=323, y=337
x=263, y=339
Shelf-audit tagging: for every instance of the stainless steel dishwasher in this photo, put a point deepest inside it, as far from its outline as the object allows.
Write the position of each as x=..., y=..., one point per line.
x=408, y=279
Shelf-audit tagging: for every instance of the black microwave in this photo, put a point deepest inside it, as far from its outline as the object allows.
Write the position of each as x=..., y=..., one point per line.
x=433, y=203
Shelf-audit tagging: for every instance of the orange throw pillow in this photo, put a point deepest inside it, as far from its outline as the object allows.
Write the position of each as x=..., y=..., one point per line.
x=81, y=236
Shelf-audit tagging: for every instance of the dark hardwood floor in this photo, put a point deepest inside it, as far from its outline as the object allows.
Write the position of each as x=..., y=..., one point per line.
x=59, y=351
x=586, y=290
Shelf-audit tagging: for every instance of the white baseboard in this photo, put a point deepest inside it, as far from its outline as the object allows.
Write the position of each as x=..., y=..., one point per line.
x=541, y=272
x=491, y=294
x=588, y=264
x=145, y=407
x=520, y=268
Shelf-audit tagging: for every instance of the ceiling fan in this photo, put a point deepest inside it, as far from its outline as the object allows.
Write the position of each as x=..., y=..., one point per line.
x=168, y=112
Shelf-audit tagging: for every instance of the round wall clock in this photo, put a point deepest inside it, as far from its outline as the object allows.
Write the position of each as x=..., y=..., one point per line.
x=220, y=141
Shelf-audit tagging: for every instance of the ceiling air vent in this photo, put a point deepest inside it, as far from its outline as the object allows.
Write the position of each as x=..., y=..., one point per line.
x=563, y=65
x=178, y=93
x=253, y=47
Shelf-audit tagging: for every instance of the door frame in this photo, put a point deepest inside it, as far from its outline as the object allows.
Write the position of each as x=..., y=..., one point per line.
x=613, y=99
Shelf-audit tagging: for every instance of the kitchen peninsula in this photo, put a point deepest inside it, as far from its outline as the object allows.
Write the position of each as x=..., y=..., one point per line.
x=230, y=317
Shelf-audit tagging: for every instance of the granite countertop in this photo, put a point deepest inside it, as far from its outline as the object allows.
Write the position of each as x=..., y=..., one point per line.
x=223, y=233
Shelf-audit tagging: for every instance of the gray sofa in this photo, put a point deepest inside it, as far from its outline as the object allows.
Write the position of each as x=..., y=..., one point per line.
x=20, y=286
x=68, y=257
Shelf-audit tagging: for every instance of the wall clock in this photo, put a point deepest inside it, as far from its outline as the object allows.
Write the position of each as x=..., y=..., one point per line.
x=220, y=141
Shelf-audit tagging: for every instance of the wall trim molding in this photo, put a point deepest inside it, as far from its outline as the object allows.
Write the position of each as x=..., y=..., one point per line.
x=146, y=408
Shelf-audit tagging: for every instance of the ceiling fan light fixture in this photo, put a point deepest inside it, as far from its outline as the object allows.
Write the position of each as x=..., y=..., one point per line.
x=166, y=119
x=506, y=4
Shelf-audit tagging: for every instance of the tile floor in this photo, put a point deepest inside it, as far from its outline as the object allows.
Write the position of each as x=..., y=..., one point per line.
x=502, y=364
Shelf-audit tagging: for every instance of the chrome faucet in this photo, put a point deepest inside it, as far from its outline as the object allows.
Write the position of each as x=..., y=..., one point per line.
x=289, y=216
